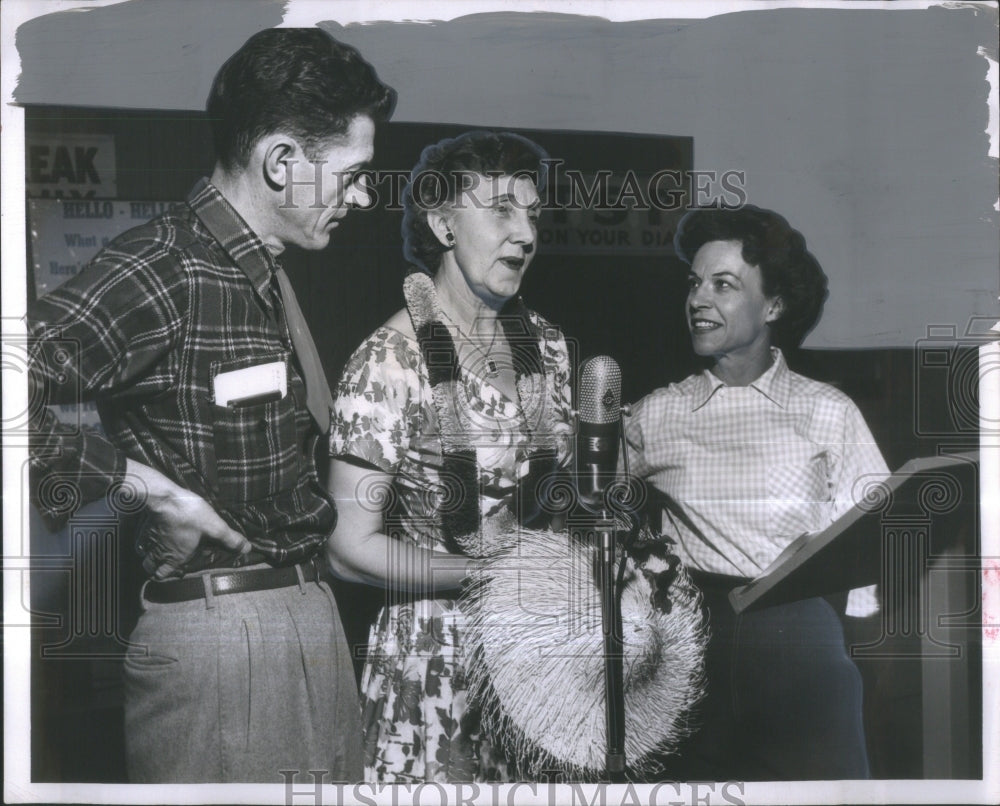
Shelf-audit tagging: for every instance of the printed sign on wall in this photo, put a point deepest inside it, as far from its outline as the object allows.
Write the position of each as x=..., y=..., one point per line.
x=71, y=166
x=633, y=213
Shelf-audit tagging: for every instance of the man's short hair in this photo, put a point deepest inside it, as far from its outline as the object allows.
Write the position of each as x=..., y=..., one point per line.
x=299, y=81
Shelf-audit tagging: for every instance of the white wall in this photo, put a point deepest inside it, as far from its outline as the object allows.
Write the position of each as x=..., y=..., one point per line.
x=865, y=127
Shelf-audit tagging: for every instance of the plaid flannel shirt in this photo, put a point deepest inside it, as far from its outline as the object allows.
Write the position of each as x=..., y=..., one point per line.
x=754, y=467
x=143, y=330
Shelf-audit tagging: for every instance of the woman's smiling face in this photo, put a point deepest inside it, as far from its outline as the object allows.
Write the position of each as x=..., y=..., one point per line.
x=727, y=310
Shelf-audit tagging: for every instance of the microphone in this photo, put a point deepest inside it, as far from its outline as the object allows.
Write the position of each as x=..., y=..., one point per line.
x=600, y=418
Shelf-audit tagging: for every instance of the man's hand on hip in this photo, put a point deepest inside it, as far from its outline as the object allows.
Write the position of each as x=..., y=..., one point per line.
x=178, y=524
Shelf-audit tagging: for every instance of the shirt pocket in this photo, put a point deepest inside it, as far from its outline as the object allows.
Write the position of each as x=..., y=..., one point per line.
x=257, y=453
x=798, y=496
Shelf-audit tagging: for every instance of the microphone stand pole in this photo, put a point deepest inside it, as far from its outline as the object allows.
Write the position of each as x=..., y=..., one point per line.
x=614, y=666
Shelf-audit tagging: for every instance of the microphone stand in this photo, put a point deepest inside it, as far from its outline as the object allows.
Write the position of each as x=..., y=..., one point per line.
x=611, y=613
x=602, y=533
x=614, y=662
x=600, y=393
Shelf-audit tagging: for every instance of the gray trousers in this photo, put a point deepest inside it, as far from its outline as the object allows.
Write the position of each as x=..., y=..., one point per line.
x=241, y=687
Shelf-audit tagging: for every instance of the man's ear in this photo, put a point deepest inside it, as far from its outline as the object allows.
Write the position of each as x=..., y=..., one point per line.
x=776, y=310
x=278, y=153
x=440, y=223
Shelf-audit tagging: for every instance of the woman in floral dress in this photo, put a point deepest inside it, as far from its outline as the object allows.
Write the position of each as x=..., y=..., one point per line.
x=439, y=414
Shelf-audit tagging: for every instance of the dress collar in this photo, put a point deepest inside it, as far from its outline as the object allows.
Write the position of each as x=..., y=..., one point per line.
x=774, y=384
x=240, y=242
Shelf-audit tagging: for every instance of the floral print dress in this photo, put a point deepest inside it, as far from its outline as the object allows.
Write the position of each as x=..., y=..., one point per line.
x=418, y=723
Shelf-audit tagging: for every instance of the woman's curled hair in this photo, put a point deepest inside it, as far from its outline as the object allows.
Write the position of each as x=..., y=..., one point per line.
x=438, y=178
x=770, y=243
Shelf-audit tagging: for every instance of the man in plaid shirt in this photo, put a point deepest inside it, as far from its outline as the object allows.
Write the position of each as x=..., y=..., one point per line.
x=187, y=334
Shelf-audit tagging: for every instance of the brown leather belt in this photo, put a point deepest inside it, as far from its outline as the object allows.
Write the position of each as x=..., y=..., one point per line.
x=234, y=581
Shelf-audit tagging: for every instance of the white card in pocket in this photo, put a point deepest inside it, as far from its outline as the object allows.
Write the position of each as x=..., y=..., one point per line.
x=251, y=385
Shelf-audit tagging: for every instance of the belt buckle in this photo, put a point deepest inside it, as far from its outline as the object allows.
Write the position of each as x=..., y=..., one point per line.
x=220, y=582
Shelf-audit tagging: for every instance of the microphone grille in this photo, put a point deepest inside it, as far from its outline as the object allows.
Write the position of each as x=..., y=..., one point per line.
x=600, y=390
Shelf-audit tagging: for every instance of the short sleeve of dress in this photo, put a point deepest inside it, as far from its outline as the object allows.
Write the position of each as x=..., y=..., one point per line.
x=635, y=440
x=858, y=463
x=376, y=407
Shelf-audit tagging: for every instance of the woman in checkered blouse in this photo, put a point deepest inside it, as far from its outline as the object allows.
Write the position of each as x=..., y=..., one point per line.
x=756, y=456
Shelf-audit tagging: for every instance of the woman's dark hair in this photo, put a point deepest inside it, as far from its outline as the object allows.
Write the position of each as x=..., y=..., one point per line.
x=299, y=81
x=768, y=242
x=436, y=180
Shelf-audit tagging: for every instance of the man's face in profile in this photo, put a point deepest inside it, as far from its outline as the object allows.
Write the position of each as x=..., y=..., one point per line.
x=326, y=187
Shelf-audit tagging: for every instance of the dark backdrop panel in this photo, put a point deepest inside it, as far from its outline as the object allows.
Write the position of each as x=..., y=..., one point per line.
x=158, y=155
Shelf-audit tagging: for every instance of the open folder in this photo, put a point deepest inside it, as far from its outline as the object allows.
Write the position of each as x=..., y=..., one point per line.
x=940, y=492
